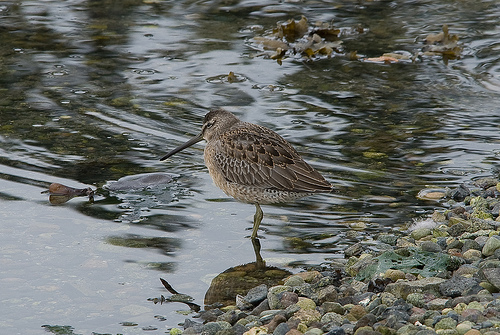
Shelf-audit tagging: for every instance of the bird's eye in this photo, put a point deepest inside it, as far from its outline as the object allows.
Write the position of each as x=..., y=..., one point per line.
x=210, y=124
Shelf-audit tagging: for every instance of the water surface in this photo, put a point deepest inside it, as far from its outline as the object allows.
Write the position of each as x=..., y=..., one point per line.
x=93, y=91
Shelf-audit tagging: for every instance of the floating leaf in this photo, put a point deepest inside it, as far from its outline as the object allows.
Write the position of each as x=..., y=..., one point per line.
x=297, y=38
x=59, y=193
x=442, y=44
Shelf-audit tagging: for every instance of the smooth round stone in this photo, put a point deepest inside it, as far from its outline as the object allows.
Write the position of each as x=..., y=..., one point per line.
x=472, y=255
x=357, y=311
x=446, y=323
x=464, y=327
x=475, y=305
x=460, y=307
x=437, y=304
x=492, y=244
x=288, y=299
x=294, y=281
x=333, y=307
x=394, y=275
x=256, y=294
x=306, y=303
x=274, y=295
x=281, y=329
x=473, y=332
x=430, y=246
x=466, y=269
x=417, y=234
x=175, y=331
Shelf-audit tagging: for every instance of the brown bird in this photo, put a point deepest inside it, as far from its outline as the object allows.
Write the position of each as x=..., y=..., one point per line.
x=253, y=164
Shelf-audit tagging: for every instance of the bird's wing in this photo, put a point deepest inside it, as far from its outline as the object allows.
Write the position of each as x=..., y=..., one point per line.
x=257, y=156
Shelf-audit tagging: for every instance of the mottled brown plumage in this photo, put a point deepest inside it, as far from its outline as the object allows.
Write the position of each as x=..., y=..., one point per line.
x=253, y=164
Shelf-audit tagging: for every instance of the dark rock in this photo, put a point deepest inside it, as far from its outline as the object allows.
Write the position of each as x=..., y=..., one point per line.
x=336, y=331
x=211, y=328
x=328, y=293
x=361, y=297
x=380, y=310
x=459, y=286
x=226, y=331
x=304, y=290
x=366, y=320
x=401, y=310
x=470, y=244
x=277, y=320
x=496, y=254
x=441, y=241
x=426, y=332
x=230, y=317
x=495, y=209
x=288, y=298
x=293, y=323
x=210, y=315
x=291, y=310
x=472, y=315
x=485, y=182
x=335, y=307
x=188, y=323
x=460, y=193
x=239, y=329
x=263, y=306
x=457, y=229
x=492, y=275
x=281, y=329
x=430, y=246
x=257, y=294
x=438, y=318
x=378, y=285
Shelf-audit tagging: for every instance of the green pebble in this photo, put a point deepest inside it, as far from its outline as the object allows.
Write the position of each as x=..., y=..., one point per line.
x=416, y=299
x=417, y=234
x=475, y=305
x=294, y=281
x=446, y=323
x=492, y=244
x=175, y=331
x=306, y=304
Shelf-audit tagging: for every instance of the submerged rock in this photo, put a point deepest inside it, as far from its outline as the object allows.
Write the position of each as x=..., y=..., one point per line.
x=140, y=181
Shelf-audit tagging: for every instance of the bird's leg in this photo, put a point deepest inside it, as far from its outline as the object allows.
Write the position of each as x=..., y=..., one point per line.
x=256, y=220
x=259, y=261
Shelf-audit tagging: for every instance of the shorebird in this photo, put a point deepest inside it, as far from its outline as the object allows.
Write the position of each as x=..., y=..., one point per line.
x=253, y=164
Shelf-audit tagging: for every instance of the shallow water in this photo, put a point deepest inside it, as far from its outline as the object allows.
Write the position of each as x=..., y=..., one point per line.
x=93, y=91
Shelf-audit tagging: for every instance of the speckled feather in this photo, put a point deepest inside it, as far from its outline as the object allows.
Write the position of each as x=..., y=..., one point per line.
x=254, y=164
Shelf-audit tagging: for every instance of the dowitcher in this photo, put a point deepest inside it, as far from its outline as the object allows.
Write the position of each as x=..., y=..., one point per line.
x=253, y=164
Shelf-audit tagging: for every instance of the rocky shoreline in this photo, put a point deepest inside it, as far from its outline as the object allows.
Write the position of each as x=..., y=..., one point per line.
x=442, y=276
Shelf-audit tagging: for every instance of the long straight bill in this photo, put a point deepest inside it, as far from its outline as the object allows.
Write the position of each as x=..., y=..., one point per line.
x=189, y=143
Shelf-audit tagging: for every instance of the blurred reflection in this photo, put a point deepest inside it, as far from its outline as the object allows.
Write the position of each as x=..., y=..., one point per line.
x=226, y=286
x=239, y=279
